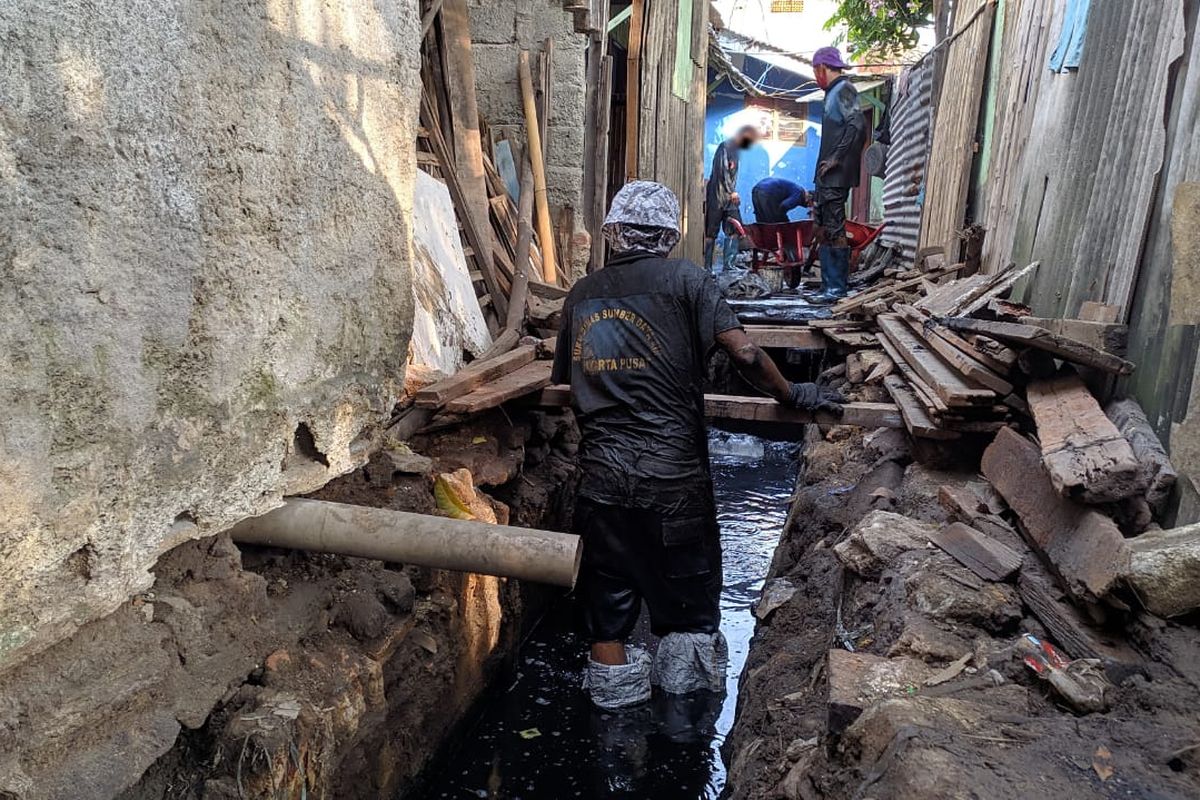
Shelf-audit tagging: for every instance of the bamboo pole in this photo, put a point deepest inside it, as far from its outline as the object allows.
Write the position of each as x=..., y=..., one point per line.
x=633, y=90
x=534, y=148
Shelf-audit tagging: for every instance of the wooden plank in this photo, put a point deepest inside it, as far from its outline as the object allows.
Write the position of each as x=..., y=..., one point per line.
x=1086, y=456
x=964, y=505
x=1004, y=283
x=468, y=143
x=472, y=377
x=932, y=403
x=1084, y=547
x=945, y=299
x=984, y=556
x=853, y=340
x=916, y=420
x=998, y=358
x=1041, y=339
x=791, y=337
x=1099, y=312
x=764, y=409
x=526, y=380
x=952, y=388
x=892, y=289
x=1109, y=337
x=967, y=365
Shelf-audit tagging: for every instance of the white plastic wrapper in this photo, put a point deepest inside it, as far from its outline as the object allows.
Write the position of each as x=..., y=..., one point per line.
x=621, y=685
x=690, y=662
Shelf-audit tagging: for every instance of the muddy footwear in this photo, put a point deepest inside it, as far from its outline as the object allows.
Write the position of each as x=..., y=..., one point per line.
x=691, y=662
x=835, y=272
x=621, y=685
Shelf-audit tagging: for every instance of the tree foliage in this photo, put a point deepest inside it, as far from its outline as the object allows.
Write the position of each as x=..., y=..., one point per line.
x=882, y=27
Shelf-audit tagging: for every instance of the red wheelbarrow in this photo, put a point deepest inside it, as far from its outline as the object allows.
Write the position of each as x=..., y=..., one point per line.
x=782, y=244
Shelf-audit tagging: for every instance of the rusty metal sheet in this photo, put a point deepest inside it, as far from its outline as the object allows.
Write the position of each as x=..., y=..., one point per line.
x=904, y=180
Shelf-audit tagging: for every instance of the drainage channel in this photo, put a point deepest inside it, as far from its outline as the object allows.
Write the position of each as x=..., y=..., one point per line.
x=539, y=738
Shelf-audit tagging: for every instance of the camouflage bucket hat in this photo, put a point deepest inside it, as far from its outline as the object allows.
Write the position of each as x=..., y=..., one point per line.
x=644, y=217
x=645, y=203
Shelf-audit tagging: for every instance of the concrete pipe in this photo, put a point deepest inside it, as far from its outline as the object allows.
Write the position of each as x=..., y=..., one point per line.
x=421, y=539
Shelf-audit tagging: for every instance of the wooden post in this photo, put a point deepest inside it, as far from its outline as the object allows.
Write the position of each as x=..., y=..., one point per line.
x=633, y=90
x=599, y=171
x=468, y=145
x=534, y=149
x=520, y=286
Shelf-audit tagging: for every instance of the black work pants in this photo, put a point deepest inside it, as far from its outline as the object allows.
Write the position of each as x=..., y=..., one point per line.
x=768, y=210
x=830, y=212
x=671, y=561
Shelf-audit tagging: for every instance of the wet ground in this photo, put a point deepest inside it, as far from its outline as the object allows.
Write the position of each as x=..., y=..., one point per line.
x=538, y=736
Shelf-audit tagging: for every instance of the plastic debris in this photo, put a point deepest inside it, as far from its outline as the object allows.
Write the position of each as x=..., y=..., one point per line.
x=1081, y=683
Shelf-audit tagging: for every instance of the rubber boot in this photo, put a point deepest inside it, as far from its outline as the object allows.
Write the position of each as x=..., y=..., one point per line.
x=825, y=258
x=839, y=283
x=729, y=251
x=710, y=245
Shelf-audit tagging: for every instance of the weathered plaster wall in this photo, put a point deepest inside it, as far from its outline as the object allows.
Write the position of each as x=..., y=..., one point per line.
x=204, y=244
x=499, y=29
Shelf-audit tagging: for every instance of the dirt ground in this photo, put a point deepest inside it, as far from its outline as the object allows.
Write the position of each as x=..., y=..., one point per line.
x=254, y=672
x=967, y=737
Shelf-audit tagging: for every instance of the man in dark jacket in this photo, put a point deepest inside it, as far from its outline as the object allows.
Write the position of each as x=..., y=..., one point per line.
x=634, y=343
x=721, y=199
x=843, y=136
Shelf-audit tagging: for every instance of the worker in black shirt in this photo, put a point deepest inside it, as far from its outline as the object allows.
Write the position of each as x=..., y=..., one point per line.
x=634, y=343
x=843, y=135
x=721, y=200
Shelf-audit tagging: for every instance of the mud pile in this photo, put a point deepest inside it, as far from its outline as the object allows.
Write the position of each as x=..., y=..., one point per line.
x=269, y=673
x=888, y=669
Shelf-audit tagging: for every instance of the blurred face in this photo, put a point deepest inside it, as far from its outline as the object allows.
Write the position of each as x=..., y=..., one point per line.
x=823, y=75
x=746, y=138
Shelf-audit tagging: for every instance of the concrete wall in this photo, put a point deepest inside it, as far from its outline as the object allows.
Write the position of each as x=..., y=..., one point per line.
x=499, y=29
x=204, y=260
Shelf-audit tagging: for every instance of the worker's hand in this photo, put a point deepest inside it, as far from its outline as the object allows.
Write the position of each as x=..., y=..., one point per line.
x=735, y=199
x=826, y=167
x=810, y=397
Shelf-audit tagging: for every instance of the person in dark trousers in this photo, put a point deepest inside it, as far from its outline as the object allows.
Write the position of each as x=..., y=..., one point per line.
x=721, y=199
x=634, y=345
x=843, y=136
x=774, y=197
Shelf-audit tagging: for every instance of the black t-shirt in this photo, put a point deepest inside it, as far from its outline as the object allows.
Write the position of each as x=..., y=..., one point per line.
x=634, y=342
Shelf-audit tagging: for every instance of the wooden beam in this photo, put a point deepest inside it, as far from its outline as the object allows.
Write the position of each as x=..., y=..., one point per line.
x=984, y=556
x=912, y=410
x=764, y=409
x=1086, y=456
x=783, y=336
x=1084, y=547
x=952, y=388
x=526, y=380
x=472, y=377
x=468, y=142
x=965, y=363
x=1042, y=339
x=633, y=89
x=1107, y=336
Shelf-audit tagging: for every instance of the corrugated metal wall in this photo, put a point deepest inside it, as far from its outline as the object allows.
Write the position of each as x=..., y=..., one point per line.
x=1092, y=160
x=911, y=124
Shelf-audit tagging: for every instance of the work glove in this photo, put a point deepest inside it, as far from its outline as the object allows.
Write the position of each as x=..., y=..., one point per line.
x=810, y=397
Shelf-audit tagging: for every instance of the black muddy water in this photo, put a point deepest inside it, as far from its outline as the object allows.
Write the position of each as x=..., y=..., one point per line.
x=539, y=738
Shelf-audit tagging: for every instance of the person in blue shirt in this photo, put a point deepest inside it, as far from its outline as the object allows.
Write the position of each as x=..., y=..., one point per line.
x=775, y=197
